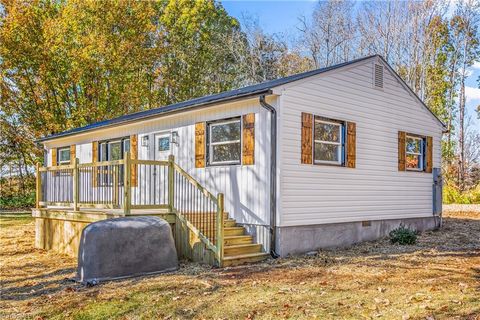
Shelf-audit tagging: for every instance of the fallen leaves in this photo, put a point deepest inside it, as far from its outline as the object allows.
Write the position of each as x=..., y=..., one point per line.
x=371, y=280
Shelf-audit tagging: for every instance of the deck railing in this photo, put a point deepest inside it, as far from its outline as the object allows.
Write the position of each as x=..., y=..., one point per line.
x=201, y=210
x=130, y=184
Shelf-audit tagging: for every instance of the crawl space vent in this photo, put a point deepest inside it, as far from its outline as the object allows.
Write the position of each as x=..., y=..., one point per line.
x=378, y=76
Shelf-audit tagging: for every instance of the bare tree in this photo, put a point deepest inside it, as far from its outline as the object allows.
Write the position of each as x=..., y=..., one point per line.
x=330, y=34
x=466, y=41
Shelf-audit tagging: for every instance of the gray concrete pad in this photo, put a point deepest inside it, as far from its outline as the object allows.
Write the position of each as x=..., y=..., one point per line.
x=125, y=247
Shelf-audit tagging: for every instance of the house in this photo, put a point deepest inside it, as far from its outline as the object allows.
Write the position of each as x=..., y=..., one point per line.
x=321, y=159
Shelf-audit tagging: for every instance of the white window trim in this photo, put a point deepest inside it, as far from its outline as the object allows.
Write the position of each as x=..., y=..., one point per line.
x=339, y=162
x=421, y=153
x=64, y=162
x=211, y=144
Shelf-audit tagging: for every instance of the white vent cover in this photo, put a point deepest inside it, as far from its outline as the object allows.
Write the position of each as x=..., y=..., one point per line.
x=378, y=76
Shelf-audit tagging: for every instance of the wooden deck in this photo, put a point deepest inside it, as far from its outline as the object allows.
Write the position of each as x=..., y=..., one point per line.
x=92, y=214
x=69, y=197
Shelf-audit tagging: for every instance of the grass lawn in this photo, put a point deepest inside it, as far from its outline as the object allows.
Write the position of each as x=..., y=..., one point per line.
x=438, y=278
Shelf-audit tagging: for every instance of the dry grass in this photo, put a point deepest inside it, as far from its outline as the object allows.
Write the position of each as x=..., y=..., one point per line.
x=438, y=278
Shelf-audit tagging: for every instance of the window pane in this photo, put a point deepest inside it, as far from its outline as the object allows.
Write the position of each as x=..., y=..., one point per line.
x=103, y=151
x=126, y=145
x=115, y=149
x=226, y=152
x=414, y=161
x=164, y=144
x=225, y=132
x=414, y=145
x=63, y=155
x=327, y=131
x=327, y=152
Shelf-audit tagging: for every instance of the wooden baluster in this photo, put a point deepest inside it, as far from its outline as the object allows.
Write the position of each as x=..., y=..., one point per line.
x=115, y=186
x=219, y=227
x=75, y=184
x=171, y=185
x=127, y=200
x=38, y=187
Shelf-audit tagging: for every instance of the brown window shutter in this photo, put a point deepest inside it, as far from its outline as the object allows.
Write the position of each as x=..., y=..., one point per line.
x=351, y=144
x=401, y=150
x=248, y=134
x=54, y=157
x=429, y=155
x=134, y=155
x=200, y=145
x=95, y=151
x=73, y=152
x=94, y=159
x=307, y=138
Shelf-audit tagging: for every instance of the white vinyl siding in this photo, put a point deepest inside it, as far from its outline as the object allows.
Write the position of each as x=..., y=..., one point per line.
x=246, y=188
x=375, y=189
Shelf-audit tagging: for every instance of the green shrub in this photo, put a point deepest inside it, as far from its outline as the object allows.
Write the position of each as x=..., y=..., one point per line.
x=451, y=194
x=17, y=202
x=403, y=235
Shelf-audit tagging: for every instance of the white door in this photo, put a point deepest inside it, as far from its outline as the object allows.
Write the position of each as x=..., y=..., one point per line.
x=162, y=146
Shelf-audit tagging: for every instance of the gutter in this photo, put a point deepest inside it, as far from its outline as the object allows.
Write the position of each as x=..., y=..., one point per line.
x=273, y=176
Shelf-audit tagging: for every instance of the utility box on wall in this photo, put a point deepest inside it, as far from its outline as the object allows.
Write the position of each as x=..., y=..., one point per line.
x=437, y=191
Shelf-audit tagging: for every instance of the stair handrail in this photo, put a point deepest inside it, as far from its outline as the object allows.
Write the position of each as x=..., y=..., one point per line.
x=217, y=248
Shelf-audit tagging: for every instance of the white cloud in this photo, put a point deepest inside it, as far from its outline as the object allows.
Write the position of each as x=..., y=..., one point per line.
x=476, y=65
x=472, y=94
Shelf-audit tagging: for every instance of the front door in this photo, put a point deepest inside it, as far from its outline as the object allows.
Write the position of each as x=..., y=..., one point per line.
x=162, y=146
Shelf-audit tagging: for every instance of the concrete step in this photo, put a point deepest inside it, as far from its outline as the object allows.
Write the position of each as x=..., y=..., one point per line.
x=240, y=249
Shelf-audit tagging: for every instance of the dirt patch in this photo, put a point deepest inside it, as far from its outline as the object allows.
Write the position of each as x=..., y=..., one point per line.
x=437, y=278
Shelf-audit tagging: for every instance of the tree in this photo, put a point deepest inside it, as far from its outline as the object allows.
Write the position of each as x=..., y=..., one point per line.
x=466, y=41
x=330, y=35
x=260, y=57
x=65, y=64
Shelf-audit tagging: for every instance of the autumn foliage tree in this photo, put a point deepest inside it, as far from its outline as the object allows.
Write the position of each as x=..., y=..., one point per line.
x=65, y=64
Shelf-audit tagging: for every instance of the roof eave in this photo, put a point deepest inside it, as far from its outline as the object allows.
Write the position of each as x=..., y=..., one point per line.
x=158, y=115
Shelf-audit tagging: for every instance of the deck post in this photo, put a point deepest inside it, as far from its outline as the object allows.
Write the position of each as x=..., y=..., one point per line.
x=38, y=187
x=75, y=184
x=171, y=182
x=127, y=199
x=115, y=199
x=219, y=228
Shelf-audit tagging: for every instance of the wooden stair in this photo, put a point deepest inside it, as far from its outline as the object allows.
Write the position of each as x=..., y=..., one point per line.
x=239, y=247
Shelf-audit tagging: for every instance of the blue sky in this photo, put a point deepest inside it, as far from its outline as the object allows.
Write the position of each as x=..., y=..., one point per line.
x=282, y=17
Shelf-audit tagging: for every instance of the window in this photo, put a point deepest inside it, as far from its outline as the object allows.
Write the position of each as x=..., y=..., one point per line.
x=329, y=143
x=110, y=151
x=224, y=142
x=63, y=156
x=415, y=150
x=163, y=143
x=113, y=150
